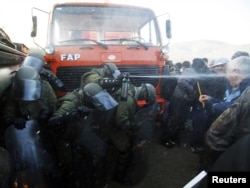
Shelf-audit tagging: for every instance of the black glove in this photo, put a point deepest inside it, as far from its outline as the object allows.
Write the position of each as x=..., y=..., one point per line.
x=63, y=118
x=44, y=115
x=84, y=110
x=56, y=120
x=19, y=123
x=122, y=75
x=68, y=116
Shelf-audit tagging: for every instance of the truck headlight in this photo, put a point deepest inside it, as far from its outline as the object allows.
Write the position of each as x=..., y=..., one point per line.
x=165, y=50
x=49, y=50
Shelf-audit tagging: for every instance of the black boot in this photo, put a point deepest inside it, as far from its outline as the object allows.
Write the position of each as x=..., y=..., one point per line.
x=121, y=168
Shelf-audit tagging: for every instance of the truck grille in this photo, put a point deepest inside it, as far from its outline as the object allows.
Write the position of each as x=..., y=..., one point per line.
x=71, y=76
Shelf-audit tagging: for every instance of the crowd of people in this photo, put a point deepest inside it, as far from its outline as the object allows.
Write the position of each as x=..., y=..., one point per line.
x=213, y=96
x=73, y=141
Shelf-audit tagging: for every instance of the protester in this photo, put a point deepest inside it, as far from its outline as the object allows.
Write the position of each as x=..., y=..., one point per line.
x=179, y=108
x=202, y=84
x=185, y=65
x=239, y=53
x=219, y=65
x=169, y=83
x=219, y=84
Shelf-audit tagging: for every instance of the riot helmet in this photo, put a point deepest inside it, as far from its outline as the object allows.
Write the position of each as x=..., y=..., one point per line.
x=37, y=53
x=99, y=98
x=111, y=70
x=91, y=89
x=89, y=77
x=145, y=92
x=26, y=84
x=27, y=72
x=34, y=62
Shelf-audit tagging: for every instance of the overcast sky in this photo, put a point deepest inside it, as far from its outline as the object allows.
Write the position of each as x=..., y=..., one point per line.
x=223, y=20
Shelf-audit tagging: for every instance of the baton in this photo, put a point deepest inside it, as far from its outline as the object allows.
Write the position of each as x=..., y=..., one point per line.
x=199, y=89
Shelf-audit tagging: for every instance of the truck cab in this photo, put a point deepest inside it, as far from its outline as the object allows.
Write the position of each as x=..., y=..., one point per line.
x=82, y=36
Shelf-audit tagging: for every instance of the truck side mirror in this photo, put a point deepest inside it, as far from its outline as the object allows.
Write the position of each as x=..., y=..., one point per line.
x=34, y=26
x=168, y=29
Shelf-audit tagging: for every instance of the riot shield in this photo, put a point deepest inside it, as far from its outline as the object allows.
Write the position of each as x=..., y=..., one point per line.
x=29, y=161
x=145, y=123
x=92, y=143
x=143, y=134
x=26, y=90
x=4, y=168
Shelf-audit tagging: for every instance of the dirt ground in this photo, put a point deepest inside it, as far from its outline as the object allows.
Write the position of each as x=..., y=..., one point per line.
x=171, y=168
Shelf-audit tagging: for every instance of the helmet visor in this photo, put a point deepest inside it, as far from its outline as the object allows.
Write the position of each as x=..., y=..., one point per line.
x=26, y=90
x=104, y=101
x=116, y=74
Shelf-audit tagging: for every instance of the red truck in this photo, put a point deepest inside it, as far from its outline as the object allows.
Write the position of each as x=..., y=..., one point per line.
x=83, y=35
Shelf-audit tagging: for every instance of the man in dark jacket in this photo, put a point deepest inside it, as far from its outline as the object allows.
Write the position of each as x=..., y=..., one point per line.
x=179, y=106
x=203, y=84
x=213, y=82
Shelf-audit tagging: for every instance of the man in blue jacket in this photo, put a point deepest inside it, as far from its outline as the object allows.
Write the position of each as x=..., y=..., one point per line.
x=238, y=75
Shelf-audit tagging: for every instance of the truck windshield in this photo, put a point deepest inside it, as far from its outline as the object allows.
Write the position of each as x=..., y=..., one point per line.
x=110, y=25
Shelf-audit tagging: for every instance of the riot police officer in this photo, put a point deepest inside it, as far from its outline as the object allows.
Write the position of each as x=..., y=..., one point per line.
x=109, y=70
x=128, y=132
x=27, y=109
x=124, y=135
x=81, y=136
x=30, y=98
x=36, y=60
